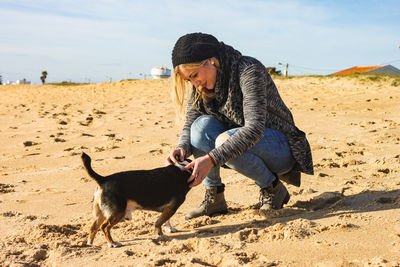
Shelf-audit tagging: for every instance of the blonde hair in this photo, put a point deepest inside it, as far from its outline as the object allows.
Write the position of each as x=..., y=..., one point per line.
x=180, y=86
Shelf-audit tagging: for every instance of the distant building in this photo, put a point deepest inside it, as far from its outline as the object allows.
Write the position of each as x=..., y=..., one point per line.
x=23, y=81
x=382, y=69
x=160, y=72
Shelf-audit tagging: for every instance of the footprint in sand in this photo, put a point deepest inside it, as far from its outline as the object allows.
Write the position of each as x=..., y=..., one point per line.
x=11, y=214
x=163, y=262
x=165, y=145
x=45, y=234
x=110, y=136
x=129, y=253
x=199, y=222
x=85, y=180
x=99, y=113
x=88, y=122
x=63, y=122
x=353, y=162
x=30, y=217
x=385, y=171
x=156, y=152
x=66, y=106
x=86, y=134
x=298, y=229
x=248, y=235
x=334, y=165
x=31, y=154
x=55, y=115
x=7, y=188
x=99, y=149
x=30, y=143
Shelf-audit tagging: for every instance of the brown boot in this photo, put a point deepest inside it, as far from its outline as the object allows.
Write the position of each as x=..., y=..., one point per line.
x=273, y=197
x=214, y=202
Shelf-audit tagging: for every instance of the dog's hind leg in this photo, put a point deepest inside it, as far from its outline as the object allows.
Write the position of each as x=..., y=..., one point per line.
x=106, y=228
x=94, y=228
x=99, y=219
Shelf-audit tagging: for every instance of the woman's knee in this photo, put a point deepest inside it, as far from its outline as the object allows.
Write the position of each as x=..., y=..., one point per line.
x=221, y=139
x=203, y=129
x=202, y=123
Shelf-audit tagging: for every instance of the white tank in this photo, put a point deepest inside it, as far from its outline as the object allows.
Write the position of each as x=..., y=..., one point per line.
x=160, y=72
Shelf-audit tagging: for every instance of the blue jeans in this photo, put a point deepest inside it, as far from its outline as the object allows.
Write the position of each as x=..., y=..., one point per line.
x=267, y=158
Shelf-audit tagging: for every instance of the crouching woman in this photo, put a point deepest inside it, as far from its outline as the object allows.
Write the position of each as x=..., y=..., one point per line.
x=234, y=117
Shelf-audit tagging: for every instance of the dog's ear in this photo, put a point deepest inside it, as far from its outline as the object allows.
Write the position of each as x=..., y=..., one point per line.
x=187, y=162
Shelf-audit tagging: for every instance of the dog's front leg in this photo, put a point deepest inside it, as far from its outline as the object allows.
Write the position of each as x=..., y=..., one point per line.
x=165, y=216
x=169, y=228
x=128, y=215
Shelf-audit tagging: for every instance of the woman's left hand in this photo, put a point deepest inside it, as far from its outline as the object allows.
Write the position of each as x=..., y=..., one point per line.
x=201, y=167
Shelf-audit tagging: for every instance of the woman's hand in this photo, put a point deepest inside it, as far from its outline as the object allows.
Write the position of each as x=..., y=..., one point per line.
x=201, y=167
x=175, y=155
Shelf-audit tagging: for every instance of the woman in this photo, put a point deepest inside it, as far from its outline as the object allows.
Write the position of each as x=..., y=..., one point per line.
x=235, y=117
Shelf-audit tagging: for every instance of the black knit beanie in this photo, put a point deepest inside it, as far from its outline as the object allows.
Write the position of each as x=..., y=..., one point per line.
x=194, y=47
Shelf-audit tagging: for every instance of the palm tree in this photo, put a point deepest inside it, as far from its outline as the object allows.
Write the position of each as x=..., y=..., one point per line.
x=43, y=77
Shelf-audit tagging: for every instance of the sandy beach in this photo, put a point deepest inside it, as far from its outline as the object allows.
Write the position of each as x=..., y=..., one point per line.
x=347, y=214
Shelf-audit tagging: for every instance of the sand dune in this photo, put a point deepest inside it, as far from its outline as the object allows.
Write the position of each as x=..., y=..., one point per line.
x=347, y=214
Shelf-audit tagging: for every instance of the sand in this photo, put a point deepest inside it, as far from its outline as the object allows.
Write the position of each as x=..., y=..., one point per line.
x=347, y=214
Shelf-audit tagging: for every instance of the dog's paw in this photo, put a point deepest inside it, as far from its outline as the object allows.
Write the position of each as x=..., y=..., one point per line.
x=170, y=229
x=115, y=245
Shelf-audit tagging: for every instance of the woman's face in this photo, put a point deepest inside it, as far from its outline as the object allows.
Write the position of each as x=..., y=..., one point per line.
x=204, y=76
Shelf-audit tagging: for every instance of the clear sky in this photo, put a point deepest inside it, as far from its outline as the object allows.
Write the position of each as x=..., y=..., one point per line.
x=97, y=40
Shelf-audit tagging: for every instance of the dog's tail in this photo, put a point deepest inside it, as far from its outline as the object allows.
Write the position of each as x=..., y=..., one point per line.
x=87, y=163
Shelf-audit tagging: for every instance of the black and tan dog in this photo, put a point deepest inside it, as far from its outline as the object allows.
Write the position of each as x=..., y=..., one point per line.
x=162, y=189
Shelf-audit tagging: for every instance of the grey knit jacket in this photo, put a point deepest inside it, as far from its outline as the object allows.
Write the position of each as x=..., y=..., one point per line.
x=252, y=103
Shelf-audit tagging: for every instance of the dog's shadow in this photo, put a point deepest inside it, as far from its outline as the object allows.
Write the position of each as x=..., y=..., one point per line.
x=325, y=205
